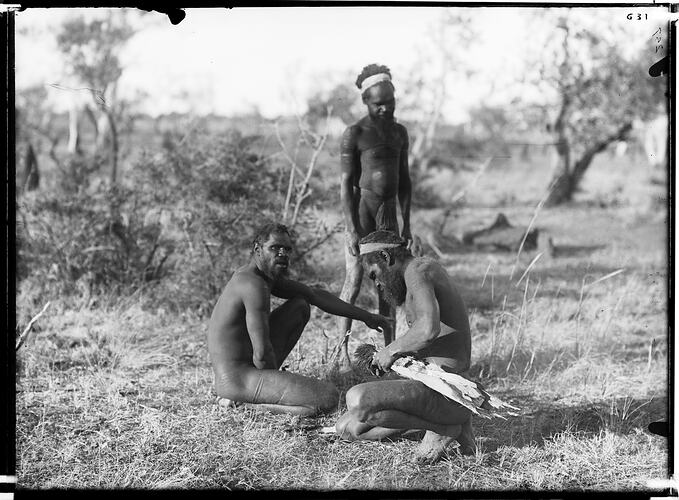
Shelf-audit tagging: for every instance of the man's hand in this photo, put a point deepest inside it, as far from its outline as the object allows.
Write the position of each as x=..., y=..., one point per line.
x=406, y=235
x=383, y=359
x=351, y=238
x=379, y=323
x=266, y=359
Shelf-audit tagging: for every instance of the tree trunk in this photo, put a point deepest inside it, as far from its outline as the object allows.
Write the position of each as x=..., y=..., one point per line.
x=566, y=181
x=114, y=146
x=95, y=126
x=562, y=185
x=30, y=180
x=103, y=132
x=562, y=188
x=74, y=130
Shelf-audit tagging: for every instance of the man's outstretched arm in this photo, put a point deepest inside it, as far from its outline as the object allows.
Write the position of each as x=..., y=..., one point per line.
x=349, y=164
x=329, y=303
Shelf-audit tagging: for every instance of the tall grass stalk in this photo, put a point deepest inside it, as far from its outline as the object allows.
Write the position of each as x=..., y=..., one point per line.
x=520, y=326
x=538, y=207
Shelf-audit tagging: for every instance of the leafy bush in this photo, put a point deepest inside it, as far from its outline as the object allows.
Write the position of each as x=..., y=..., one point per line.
x=178, y=225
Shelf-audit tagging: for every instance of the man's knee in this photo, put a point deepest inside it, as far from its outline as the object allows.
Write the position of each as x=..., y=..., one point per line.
x=359, y=402
x=230, y=388
x=300, y=308
x=346, y=427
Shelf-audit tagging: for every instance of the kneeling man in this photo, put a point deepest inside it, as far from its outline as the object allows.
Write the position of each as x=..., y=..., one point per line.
x=438, y=332
x=248, y=344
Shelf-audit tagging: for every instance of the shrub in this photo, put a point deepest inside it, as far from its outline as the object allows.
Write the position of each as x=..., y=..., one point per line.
x=179, y=224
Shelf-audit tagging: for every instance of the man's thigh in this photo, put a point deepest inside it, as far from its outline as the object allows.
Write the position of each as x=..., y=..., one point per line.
x=282, y=388
x=409, y=396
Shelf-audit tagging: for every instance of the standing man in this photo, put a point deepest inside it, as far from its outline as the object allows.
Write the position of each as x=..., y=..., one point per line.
x=374, y=160
x=438, y=332
x=248, y=343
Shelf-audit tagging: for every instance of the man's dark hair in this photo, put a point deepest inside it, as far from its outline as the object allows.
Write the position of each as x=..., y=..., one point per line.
x=370, y=70
x=267, y=230
x=385, y=237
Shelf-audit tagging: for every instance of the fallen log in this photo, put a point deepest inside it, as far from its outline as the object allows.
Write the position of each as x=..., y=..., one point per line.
x=502, y=235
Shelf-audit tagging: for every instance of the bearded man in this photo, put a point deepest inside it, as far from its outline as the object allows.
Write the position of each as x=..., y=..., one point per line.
x=374, y=161
x=248, y=343
x=438, y=332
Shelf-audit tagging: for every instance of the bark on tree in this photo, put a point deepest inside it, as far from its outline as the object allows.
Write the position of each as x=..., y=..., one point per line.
x=30, y=178
x=113, y=131
x=74, y=131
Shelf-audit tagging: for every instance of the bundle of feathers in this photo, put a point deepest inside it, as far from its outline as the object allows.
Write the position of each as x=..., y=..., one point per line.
x=469, y=394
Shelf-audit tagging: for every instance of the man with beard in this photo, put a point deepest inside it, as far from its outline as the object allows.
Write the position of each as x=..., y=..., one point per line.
x=374, y=160
x=247, y=343
x=438, y=332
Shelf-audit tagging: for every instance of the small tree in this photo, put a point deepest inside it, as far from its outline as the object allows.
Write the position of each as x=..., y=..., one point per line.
x=598, y=93
x=37, y=131
x=92, y=50
x=422, y=100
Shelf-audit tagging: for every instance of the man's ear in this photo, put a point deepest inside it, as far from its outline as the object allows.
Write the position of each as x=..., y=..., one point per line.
x=388, y=258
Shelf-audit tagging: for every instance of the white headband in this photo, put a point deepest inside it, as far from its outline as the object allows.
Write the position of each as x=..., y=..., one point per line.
x=376, y=247
x=374, y=80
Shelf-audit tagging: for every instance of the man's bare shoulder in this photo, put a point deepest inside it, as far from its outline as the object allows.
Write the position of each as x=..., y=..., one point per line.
x=350, y=136
x=402, y=130
x=246, y=280
x=423, y=268
x=356, y=128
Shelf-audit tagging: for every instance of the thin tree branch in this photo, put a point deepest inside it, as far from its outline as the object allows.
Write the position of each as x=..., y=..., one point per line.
x=28, y=328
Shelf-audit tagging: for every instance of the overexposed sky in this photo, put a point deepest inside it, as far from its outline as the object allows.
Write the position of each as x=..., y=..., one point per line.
x=231, y=60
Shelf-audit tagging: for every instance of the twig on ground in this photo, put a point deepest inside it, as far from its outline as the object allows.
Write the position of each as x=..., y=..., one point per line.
x=336, y=350
x=28, y=328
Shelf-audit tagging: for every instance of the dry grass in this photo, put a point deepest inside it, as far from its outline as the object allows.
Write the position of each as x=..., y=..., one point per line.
x=119, y=396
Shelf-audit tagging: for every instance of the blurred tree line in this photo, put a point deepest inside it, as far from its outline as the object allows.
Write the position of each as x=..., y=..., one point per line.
x=175, y=220
x=589, y=94
x=173, y=223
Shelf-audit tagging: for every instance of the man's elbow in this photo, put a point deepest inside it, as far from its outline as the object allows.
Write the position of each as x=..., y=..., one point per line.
x=431, y=332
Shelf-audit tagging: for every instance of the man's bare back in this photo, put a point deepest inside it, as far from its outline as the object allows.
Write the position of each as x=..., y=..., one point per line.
x=452, y=347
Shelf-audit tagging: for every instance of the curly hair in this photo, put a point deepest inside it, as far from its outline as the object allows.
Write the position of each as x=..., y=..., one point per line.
x=370, y=70
x=385, y=237
x=267, y=230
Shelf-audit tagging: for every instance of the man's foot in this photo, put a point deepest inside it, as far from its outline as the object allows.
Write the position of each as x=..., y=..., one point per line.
x=409, y=434
x=435, y=446
x=228, y=403
x=413, y=434
x=467, y=439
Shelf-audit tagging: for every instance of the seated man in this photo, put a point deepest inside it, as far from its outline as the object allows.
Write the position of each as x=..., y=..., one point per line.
x=438, y=332
x=247, y=344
